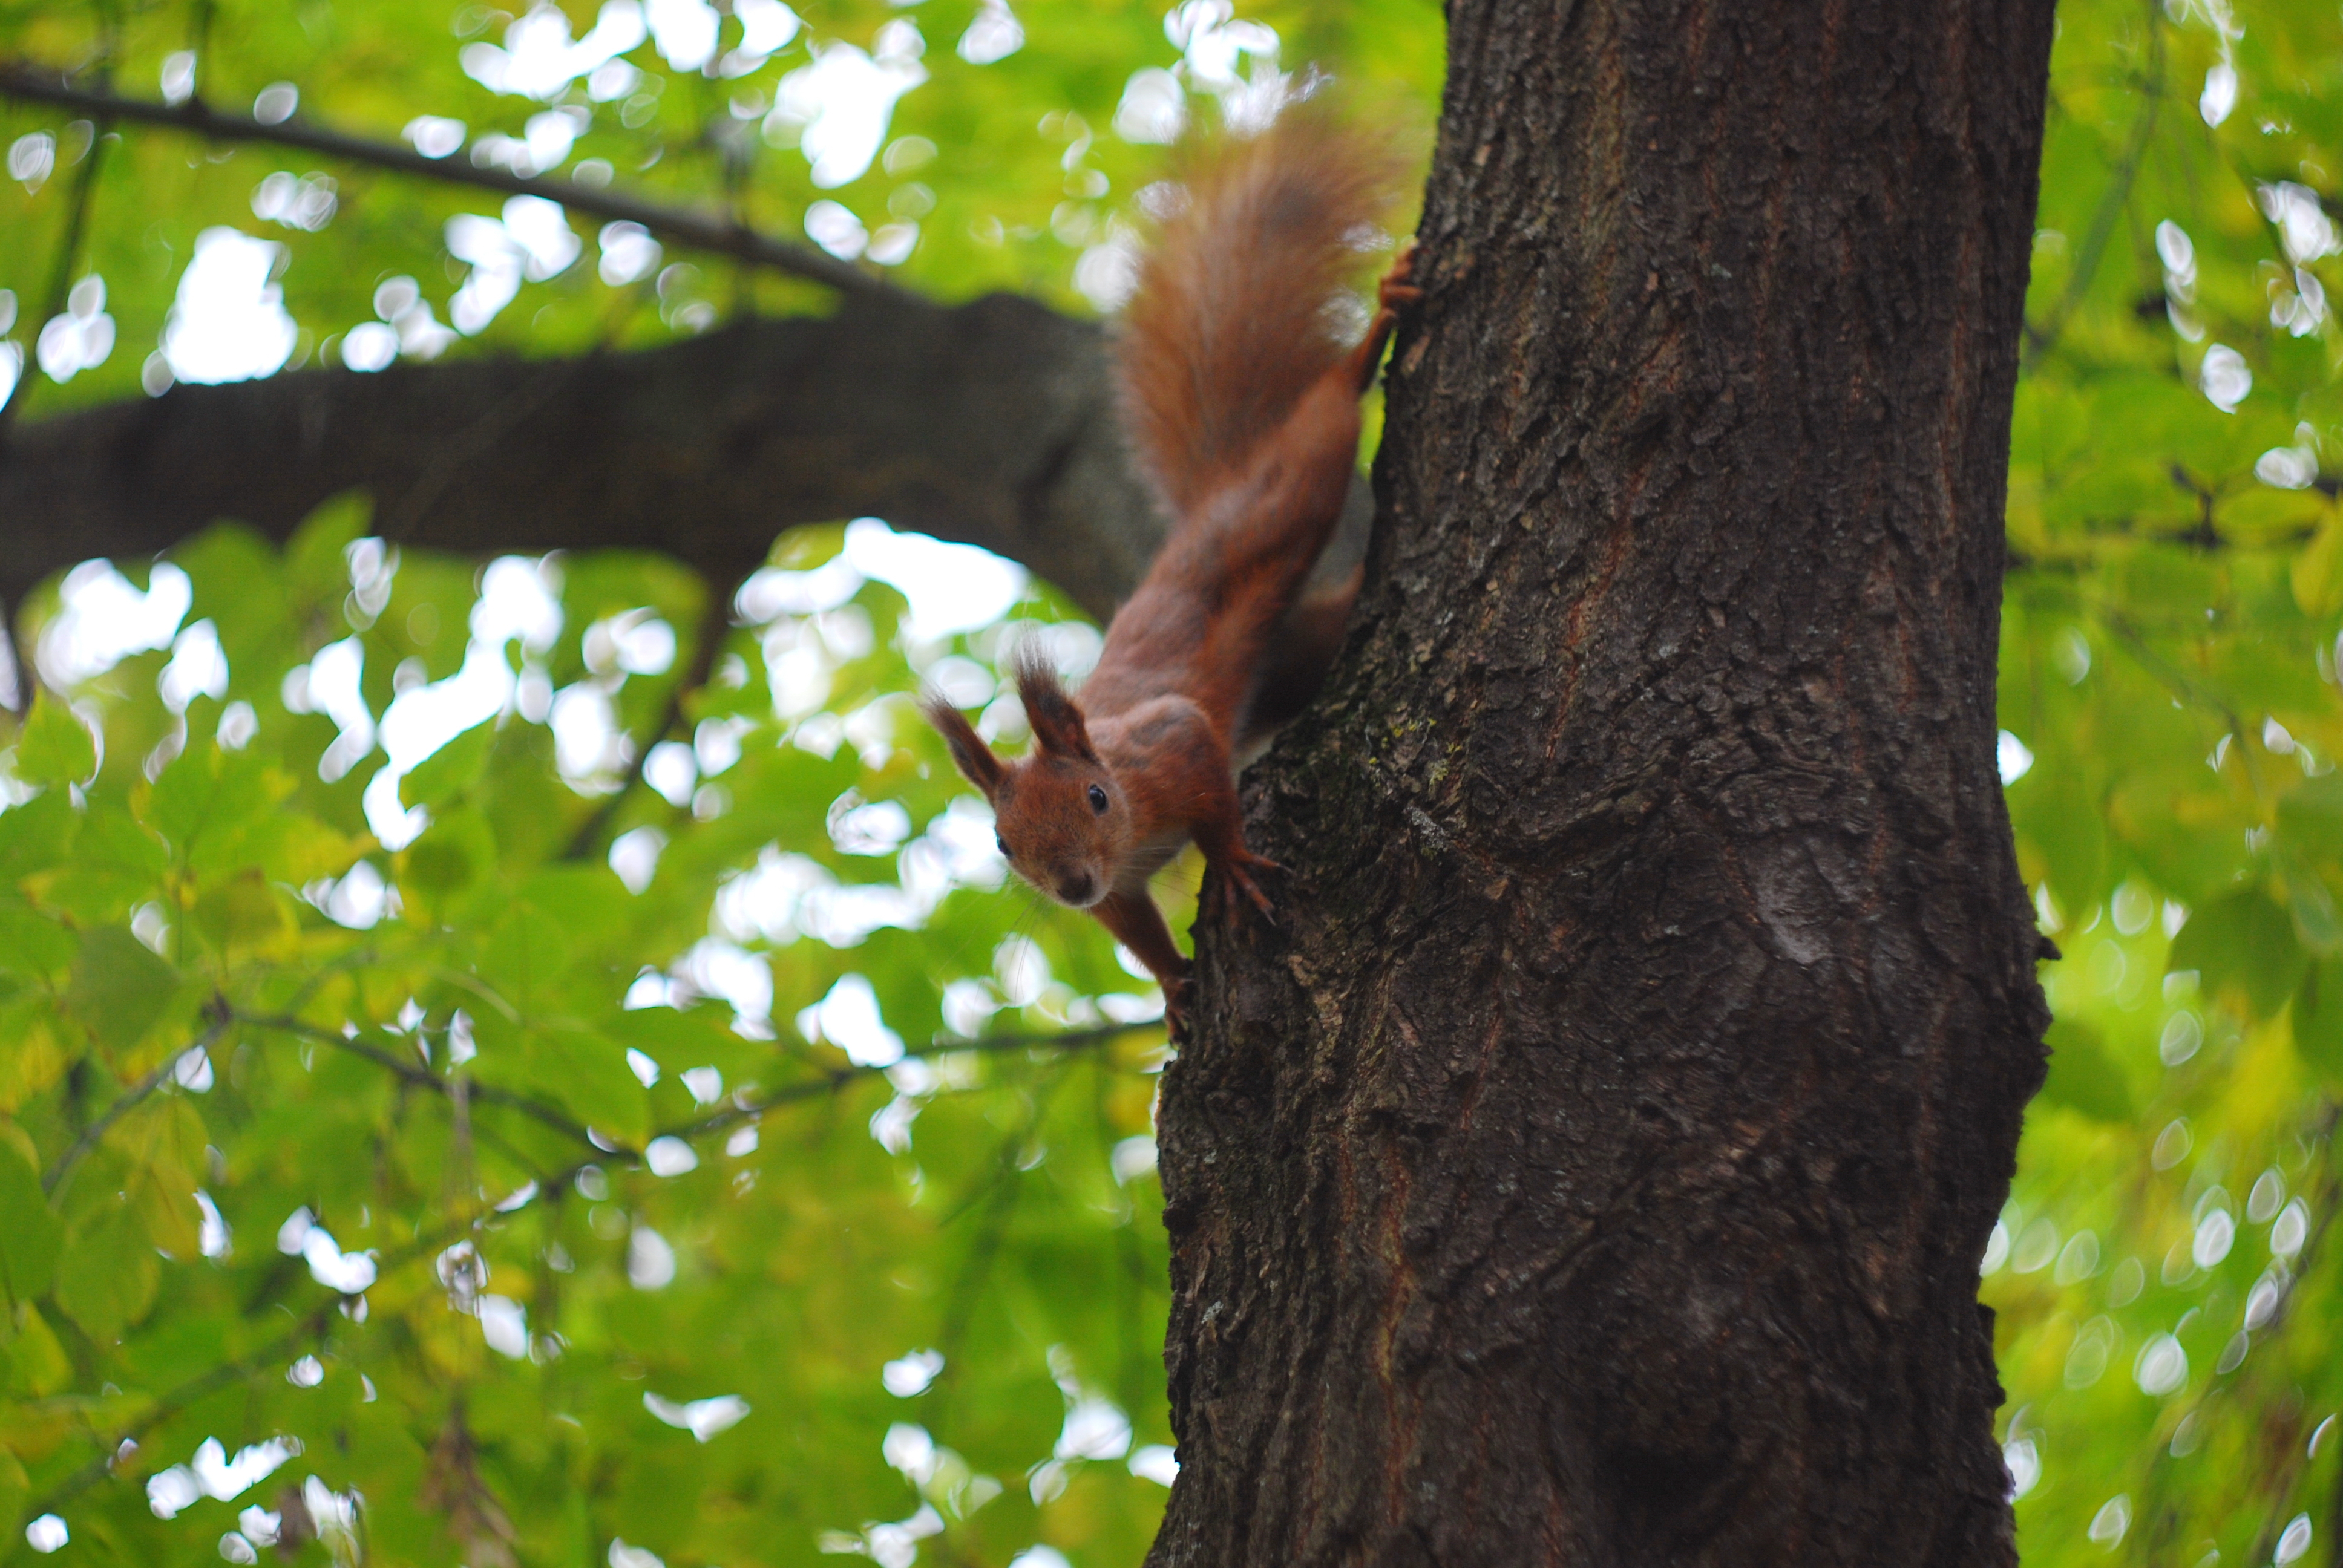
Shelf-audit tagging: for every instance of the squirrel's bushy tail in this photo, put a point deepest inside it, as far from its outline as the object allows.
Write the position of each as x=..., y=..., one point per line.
x=1235, y=313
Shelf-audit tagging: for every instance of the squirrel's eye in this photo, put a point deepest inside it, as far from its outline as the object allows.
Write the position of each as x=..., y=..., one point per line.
x=1002, y=844
x=1097, y=799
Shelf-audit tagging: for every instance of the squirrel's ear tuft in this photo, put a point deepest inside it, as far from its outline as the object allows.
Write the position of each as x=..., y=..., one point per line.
x=970, y=755
x=1056, y=722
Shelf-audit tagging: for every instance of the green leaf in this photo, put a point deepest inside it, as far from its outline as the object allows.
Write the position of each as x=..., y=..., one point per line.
x=167, y=1143
x=41, y=1366
x=108, y=1274
x=2065, y=820
x=287, y=844
x=2242, y=943
x=34, y=945
x=37, y=835
x=119, y=988
x=31, y=1058
x=2317, y=575
x=590, y=1077
x=2310, y=816
x=452, y=770
x=117, y=843
x=2312, y=905
x=175, y=1348
x=528, y=954
x=248, y=914
x=2083, y=1076
x=210, y=796
x=2319, y=1020
x=2181, y=826
x=16, y=1487
x=30, y=1234
x=56, y=746
x=2281, y=516
x=456, y=853
x=314, y=559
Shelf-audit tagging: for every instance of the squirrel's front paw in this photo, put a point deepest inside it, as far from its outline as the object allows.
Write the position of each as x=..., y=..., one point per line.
x=1235, y=879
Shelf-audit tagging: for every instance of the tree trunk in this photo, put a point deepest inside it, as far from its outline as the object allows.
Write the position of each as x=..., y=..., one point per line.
x=1593, y=1163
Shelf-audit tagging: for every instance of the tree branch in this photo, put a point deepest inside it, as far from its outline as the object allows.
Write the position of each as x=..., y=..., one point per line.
x=422, y=1077
x=60, y=271
x=123, y=1104
x=700, y=231
x=311, y=1329
x=828, y=1081
x=831, y=1079
x=2040, y=340
x=714, y=626
x=2189, y=689
x=990, y=424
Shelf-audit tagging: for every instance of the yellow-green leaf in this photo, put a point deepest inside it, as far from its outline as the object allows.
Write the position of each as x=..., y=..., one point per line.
x=56, y=746
x=2083, y=1076
x=30, y=1233
x=106, y=1273
x=2317, y=574
x=119, y=988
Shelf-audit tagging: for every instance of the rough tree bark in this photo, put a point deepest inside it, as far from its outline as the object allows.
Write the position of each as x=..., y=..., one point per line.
x=1591, y=1164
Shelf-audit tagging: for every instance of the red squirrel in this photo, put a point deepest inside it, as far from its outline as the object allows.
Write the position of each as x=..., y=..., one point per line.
x=1243, y=411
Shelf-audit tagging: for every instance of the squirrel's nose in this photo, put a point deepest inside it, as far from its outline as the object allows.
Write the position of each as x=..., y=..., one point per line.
x=1077, y=889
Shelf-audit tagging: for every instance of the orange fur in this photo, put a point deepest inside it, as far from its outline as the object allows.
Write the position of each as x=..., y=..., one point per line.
x=1244, y=409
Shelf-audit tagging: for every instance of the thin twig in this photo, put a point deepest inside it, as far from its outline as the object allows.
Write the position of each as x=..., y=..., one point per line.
x=124, y=1104
x=832, y=1080
x=829, y=1081
x=317, y=1323
x=2040, y=340
x=715, y=626
x=2156, y=665
x=61, y=274
x=170, y=1404
x=999, y=1194
x=422, y=1077
x=1042, y=1039
x=700, y=231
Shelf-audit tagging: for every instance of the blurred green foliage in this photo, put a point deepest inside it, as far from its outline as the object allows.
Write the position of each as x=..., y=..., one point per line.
x=327, y=1160
x=2165, y=1276
x=429, y=1189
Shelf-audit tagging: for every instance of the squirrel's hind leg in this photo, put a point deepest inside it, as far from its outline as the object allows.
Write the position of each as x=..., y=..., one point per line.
x=1393, y=295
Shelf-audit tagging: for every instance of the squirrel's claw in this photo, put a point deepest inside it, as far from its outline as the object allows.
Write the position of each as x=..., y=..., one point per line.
x=1238, y=880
